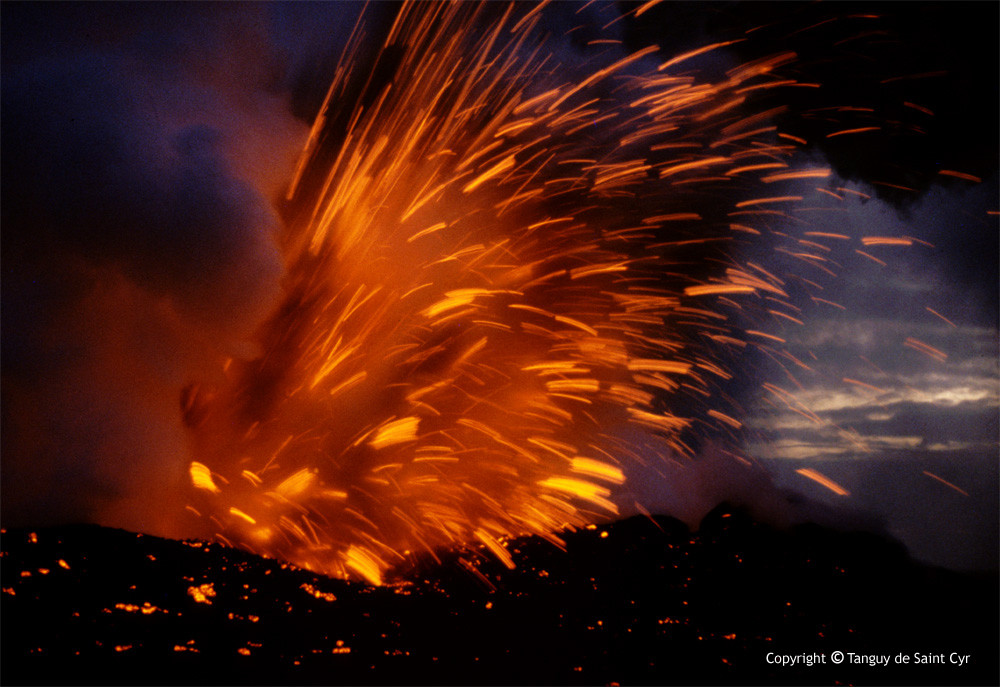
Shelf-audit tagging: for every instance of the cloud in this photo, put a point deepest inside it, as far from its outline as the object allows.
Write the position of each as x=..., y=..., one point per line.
x=953, y=524
x=143, y=153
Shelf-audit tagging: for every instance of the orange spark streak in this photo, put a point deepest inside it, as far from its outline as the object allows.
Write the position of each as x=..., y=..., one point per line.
x=927, y=349
x=859, y=130
x=365, y=564
x=776, y=199
x=693, y=53
x=725, y=418
x=945, y=482
x=714, y=289
x=919, y=108
x=496, y=547
x=829, y=193
x=896, y=186
x=243, y=516
x=649, y=4
x=823, y=300
x=674, y=217
x=822, y=479
x=828, y=235
x=688, y=166
x=885, y=241
x=959, y=175
x=794, y=138
x=937, y=314
x=786, y=316
x=766, y=335
x=800, y=174
x=754, y=168
x=871, y=257
x=853, y=192
x=863, y=385
x=201, y=478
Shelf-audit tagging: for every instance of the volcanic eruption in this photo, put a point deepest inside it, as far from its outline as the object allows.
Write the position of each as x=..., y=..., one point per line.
x=572, y=343
x=511, y=277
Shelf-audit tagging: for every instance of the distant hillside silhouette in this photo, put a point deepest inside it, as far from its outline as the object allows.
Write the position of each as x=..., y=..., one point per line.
x=642, y=601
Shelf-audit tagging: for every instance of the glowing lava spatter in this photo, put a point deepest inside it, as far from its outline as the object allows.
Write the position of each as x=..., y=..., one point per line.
x=489, y=290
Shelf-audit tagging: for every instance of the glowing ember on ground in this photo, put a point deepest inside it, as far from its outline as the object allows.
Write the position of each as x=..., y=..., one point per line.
x=694, y=606
x=146, y=608
x=325, y=596
x=202, y=593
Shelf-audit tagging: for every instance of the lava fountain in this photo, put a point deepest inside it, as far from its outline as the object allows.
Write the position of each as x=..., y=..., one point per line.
x=502, y=266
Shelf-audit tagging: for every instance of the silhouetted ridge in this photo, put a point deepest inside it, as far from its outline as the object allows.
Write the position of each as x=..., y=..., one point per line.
x=640, y=601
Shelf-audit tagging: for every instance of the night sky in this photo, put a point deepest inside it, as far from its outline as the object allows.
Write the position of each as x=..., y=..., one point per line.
x=146, y=148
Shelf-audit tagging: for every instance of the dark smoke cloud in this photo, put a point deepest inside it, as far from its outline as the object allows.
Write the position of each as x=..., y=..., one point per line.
x=143, y=149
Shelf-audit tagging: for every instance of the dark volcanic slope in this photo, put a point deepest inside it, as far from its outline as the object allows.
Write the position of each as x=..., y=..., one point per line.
x=636, y=602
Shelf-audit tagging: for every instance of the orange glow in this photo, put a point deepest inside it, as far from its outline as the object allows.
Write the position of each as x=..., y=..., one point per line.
x=482, y=280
